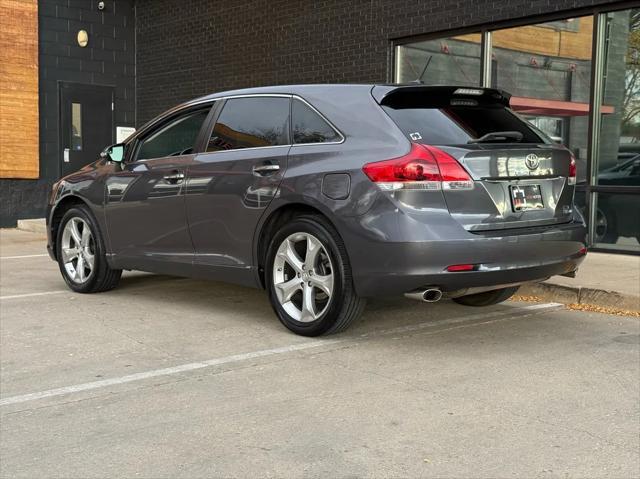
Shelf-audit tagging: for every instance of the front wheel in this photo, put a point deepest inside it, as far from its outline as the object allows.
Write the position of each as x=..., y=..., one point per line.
x=487, y=298
x=308, y=277
x=81, y=253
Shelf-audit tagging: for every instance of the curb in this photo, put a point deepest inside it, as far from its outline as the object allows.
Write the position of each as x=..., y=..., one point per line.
x=33, y=226
x=580, y=295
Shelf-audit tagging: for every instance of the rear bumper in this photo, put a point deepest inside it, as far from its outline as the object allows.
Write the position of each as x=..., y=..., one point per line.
x=392, y=268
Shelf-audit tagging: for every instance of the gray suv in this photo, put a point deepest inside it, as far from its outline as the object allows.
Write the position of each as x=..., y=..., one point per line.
x=326, y=195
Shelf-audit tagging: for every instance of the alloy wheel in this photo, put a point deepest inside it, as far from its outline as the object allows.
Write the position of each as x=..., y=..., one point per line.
x=303, y=277
x=602, y=225
x=78, y=250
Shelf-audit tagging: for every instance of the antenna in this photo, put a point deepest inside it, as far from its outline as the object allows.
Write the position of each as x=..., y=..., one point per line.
x=424, y=70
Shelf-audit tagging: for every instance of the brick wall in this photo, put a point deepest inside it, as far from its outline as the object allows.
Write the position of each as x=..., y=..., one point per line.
x=109, y=59
x=187, y=48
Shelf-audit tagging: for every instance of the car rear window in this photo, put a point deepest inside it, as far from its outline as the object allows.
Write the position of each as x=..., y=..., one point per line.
x=456, y=125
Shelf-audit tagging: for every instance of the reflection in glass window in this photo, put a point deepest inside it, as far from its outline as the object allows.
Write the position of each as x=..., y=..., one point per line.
x=447, y=61
x=619, y=155
x=547, y=69
x=76, y=127
x=176, y=138
x=617, y=220
x=251, y=123
x=309, y=127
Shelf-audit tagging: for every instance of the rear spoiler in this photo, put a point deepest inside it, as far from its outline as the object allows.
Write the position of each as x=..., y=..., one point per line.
x=405, y=96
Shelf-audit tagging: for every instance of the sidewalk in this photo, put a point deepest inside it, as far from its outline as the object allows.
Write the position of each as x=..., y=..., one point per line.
x=611, y=280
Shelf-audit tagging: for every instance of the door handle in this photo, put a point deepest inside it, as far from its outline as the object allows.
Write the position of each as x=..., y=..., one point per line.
x=265, y=170
x=174, y=177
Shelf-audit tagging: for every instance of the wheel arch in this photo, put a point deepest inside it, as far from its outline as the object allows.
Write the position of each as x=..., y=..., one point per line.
x=58, y=212
x=270, y=225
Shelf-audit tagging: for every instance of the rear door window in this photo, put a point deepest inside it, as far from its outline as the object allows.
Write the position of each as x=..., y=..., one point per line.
x=458, y=125
x=309, y=126
x=252, y=122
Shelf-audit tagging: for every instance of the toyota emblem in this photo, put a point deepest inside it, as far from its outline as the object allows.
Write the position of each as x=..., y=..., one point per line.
x=532, y=161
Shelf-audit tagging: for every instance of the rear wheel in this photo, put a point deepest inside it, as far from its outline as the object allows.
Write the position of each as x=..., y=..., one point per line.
x=81, y=253
x=309, y=278
x=605, y=227
x=487, y=298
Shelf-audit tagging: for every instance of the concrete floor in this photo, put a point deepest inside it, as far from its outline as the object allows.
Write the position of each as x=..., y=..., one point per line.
x=167, y=377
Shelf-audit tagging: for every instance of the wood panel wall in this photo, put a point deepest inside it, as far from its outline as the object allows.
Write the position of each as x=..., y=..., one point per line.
x=539, y=40
x=19, y=133
x=548, y=41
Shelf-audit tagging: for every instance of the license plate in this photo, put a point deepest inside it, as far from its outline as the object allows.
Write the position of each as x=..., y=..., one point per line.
x=526, y=197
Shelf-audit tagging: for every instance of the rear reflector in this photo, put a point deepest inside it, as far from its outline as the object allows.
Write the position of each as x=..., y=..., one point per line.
x=423, y=168
x=460, y=267
x=572, y=171
x=583, y=251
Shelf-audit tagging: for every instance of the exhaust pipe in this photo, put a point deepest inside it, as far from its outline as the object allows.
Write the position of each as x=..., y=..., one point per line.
x=432, y=295
x=429, y=295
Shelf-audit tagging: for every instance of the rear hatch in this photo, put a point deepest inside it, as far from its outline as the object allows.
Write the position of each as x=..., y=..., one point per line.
x=520, y=178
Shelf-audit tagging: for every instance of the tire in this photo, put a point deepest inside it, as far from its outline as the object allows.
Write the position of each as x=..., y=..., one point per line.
x=606, y=230
x=327, y=281
x=487, y=298
x=90, y=277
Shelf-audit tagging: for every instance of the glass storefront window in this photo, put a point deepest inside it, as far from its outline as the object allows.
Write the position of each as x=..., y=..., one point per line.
x=446, y=61
x=619, y=145
x=617, y=221
x=547, y=69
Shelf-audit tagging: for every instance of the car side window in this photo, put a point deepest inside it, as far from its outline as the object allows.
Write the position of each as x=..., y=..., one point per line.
x=309, y=126
x=251, y=122
x=178, y=137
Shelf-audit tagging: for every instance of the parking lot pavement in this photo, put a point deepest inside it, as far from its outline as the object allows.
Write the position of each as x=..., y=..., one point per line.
x=169, y=377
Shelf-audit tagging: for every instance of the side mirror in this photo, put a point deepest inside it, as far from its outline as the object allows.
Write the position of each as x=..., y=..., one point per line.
x=113, y=153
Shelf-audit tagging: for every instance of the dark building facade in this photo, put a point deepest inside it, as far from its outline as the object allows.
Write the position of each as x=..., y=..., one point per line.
x=108, y=60
x=187, y=48
x=157, y=53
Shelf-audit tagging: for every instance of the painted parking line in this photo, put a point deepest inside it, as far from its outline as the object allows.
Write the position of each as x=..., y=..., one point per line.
x=28, y=295
x=25, y=256
x=514, y=313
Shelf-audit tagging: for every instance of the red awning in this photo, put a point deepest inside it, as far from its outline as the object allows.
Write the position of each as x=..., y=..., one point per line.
x=535, y=106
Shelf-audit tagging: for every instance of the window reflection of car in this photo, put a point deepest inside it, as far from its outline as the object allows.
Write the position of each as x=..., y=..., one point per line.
x=627, y=173
x=258, y=197
x=617, y=215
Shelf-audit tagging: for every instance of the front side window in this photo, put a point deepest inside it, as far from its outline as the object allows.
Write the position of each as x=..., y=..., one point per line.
x=251, y=122
x=178, y=137
x=309, y=127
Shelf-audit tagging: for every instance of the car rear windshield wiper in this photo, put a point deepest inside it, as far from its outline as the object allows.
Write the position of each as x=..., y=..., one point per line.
x=498, y=136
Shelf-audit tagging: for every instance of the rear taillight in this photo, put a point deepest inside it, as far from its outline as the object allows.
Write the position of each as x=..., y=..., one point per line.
x=572, y=171
x=423, y=168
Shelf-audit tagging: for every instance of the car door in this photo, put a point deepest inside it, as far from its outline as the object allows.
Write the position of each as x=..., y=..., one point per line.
x=234, y=180
x=145, y=206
